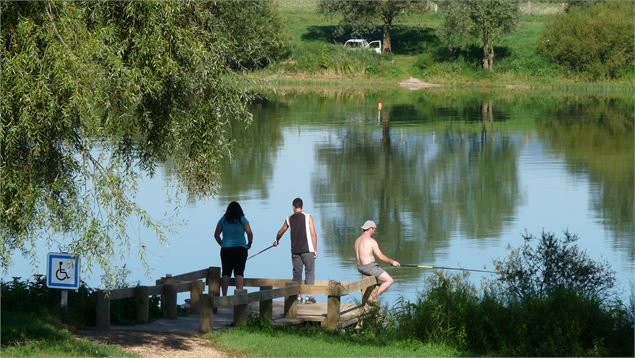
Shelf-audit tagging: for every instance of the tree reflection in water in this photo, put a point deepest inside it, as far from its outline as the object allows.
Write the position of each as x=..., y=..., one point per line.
x=421, y=187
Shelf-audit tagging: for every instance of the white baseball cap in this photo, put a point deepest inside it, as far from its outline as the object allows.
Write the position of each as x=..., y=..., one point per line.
x=369, y=224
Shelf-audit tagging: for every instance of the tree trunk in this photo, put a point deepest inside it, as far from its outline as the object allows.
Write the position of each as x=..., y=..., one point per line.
x=485, y=62
x=488, y=52
x=485, y=51
x=488, y=56
x=387, y=43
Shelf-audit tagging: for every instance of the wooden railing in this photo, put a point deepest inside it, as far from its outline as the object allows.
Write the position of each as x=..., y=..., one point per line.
x=205, y=304
x=168, y=287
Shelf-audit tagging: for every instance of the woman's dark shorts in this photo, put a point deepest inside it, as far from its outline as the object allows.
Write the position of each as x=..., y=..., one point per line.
x=233, y=259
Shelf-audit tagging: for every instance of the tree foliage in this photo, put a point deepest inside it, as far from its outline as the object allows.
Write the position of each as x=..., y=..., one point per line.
x=251, y=31
x=479, y=20
x=93, y=92
x=361, y=15
x=596, y=39
x=551, y=264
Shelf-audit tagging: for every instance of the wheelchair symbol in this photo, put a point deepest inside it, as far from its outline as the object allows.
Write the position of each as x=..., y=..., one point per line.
x=61, y=273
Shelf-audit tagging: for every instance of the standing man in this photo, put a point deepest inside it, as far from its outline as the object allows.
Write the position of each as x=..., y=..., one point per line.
x=366, y=248
x=303, y=244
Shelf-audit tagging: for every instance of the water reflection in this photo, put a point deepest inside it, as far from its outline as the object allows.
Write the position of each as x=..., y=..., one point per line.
x=595, y=136
x=450, y=179
x=435, y=167
x=421, y=188
x=255, y=147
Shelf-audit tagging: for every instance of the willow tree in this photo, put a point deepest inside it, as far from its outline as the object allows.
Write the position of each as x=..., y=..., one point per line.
x=481, y=20
x=361, y=15
x=95, y=93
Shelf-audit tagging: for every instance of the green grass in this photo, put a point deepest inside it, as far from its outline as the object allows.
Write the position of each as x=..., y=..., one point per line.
x=254, y=342
x=42, y=335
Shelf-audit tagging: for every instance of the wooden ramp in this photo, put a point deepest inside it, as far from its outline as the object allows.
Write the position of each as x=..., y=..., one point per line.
x=307, y=313
x=315, y=313
x=216, y=312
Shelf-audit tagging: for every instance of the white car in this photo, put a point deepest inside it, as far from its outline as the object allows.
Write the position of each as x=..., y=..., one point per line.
x=361, y=43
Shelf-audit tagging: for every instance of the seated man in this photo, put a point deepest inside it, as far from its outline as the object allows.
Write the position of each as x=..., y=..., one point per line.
x=366, y=248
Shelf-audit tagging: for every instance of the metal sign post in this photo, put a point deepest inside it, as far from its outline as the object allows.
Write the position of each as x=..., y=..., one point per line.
x=62, y=272
x=64, y=301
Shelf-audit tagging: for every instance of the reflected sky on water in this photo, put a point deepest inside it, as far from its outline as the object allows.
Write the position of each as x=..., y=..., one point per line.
x=450, y=180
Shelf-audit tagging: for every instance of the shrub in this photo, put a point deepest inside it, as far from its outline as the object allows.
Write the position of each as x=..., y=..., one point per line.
x=567, y=323
x=316, y=57
x=549, y=300
x=19, y=296
x=34, y=296
x=597, y=39
x=554, y=263
x=441, y=313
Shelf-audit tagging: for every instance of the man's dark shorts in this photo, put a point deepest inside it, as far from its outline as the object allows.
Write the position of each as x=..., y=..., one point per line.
x=371, y=269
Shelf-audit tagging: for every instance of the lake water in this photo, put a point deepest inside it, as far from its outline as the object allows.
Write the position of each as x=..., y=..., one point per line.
x=447, y=184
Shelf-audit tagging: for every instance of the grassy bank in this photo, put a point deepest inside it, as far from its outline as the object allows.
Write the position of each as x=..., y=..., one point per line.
x=314, y=342
x=43, y=335
x=317, y=57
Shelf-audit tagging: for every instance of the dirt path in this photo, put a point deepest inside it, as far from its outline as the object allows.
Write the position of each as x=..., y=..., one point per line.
x=154, y=344
x=415, y=84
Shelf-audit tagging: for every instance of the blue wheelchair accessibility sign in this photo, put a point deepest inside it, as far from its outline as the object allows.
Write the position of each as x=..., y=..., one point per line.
x=62, y=271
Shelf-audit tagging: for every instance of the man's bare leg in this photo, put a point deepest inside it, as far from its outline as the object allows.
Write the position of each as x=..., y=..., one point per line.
x=386, y=281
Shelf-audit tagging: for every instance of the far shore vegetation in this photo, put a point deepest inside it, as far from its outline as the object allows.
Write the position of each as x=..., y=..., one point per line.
x=532, y=55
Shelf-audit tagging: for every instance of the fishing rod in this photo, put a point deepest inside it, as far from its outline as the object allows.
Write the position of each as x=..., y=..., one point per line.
x=260, y=252
x=444, y=268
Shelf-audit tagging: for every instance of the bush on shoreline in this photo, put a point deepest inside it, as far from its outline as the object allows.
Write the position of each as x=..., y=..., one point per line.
x=561, y=323
x=329, y=59
x=596, y=40
x=550, y=299
x=33, y=296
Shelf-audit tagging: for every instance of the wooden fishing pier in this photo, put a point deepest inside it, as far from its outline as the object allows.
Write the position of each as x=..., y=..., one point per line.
x=274, y=300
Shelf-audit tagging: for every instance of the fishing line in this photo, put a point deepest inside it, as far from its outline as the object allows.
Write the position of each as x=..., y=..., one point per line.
x=430, y=267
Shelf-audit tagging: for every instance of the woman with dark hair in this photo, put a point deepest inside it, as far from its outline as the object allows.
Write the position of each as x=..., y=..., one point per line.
x=233, y=253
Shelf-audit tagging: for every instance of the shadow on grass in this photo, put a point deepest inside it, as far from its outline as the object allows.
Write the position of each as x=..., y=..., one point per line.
x=471, y=54
x=407, y=40
x=18, y=327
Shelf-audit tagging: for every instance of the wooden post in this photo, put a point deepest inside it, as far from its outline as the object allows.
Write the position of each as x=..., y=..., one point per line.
x=168, y=301
x=196, y=292
x=206, y=318
x=291, y=303
x=333, y=305
x=266, y=306
x=240, y=311
x=213, y=283
x=366, y=294
x=142, y=301
x=333, y=312
x=103, y=310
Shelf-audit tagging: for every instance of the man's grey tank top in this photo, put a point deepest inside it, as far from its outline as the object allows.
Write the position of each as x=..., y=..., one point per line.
x=300, y=233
